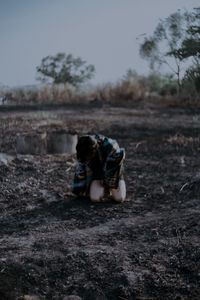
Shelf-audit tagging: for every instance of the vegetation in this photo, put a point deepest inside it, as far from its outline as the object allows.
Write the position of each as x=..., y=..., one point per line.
x=63, y=68
x=191, y=44
x=190, y=48
x=131, y=89
x=176, y=40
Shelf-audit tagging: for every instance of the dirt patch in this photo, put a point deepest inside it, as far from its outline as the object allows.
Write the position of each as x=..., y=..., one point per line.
x=53, y=245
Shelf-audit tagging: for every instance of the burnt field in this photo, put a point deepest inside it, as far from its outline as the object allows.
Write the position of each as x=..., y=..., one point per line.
x=53, y=245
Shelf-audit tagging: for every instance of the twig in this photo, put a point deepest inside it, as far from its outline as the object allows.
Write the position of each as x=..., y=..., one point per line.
x=184, y=186
x=139, y=143
x=162, y=190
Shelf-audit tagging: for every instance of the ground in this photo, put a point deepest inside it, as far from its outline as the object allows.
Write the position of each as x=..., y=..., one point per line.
x=53, y=245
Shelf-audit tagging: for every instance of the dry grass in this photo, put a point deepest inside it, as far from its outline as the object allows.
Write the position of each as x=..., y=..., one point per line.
x=182, y=140
x=119, y=93
x=122, y=93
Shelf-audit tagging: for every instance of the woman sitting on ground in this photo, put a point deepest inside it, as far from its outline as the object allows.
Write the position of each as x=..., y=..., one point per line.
x=99, y=171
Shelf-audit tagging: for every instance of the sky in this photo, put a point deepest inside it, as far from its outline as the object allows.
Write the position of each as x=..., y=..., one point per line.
x=105, y=33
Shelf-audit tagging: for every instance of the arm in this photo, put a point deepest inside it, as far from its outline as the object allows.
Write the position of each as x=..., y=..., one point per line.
x=114, y=157
x=79, y=183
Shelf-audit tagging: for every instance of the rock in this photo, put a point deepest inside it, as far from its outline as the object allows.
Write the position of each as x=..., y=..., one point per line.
x=5, y=158
x=57, y=142
x=61, y=142
x=31, y=143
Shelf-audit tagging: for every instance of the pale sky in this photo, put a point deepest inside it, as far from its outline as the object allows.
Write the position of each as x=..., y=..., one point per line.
x=102, y=32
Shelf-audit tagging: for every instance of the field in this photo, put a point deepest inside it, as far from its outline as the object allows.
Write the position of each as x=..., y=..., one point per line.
x=53, y=246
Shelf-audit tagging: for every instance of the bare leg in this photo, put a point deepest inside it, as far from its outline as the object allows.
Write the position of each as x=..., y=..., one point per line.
x=119, y=194
x=96, y=191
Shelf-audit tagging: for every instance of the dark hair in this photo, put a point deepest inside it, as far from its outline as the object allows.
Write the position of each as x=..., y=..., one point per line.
x=85, y=147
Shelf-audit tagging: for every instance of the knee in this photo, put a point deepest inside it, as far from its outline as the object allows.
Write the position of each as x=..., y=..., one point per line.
x=119, y=198
x=119, y=195
x=95, y=199
x=96, y=191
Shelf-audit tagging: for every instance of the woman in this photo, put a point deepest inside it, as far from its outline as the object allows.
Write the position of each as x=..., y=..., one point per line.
x=99, y=171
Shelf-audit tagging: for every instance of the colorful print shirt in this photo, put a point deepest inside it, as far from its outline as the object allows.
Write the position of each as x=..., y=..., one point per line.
x=107, y=165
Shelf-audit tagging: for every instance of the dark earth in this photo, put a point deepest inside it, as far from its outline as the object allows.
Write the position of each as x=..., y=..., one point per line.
x=55, y=246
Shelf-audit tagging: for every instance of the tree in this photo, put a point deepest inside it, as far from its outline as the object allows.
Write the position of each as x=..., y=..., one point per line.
x=160, y=48
x=63, y=68
x=190, y=49
x=190, y=46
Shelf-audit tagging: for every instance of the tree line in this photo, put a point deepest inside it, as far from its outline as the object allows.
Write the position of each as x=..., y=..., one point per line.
x=175, y=43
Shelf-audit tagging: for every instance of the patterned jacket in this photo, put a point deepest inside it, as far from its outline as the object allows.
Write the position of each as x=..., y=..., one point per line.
x=106, y=166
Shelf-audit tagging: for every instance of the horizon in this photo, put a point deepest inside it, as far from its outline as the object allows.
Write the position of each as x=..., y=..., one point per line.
x=104, y=34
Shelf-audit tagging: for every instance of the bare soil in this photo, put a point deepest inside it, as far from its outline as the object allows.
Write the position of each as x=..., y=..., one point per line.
x=53, y=245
